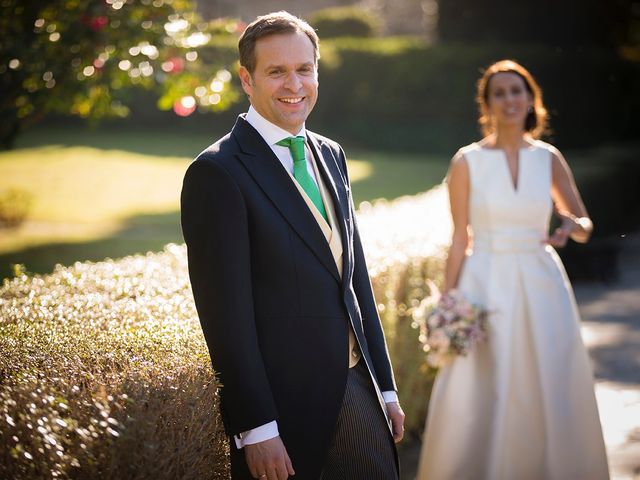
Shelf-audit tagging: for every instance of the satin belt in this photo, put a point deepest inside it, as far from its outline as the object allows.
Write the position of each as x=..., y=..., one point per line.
x=515, y=241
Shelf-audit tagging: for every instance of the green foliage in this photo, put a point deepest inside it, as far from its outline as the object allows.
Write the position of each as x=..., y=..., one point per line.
x=14, y=207
x=83, y=58
x=400, y=93
x=546, y=22
x=104, y=373
x=402, y=254
x=351, y=21
x=399, y=291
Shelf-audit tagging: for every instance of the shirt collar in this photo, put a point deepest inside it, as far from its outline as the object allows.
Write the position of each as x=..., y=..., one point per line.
x=270, y=132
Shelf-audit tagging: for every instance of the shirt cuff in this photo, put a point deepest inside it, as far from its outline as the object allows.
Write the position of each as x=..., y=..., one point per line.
x=257, y=435
x=390, y=396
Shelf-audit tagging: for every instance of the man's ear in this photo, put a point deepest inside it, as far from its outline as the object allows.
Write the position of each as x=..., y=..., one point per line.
x=246, y=80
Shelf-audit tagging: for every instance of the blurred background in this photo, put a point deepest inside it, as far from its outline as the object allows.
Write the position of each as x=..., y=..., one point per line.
x=104, y=103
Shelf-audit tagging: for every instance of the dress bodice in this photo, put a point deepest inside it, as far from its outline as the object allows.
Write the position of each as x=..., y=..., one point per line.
x=504, y=217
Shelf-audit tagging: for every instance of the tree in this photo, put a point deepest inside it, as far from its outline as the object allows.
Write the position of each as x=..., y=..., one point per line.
x=86, y=57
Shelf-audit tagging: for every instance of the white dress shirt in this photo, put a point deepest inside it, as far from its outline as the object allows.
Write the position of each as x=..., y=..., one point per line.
x=272, y=134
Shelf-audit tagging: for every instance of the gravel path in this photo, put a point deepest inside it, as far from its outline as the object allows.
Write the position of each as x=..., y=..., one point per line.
x=611, y=331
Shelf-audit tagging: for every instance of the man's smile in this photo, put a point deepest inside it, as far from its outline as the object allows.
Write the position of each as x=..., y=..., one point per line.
x=292, y=100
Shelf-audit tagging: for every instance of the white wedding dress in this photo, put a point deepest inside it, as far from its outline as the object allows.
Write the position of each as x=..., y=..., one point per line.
x=522, y=405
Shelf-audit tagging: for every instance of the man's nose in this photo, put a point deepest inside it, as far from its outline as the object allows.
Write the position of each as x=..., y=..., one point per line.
x=292, y=82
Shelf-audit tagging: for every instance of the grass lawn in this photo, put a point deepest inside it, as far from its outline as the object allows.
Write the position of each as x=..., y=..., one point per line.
x=111, y=193
x=114, y=192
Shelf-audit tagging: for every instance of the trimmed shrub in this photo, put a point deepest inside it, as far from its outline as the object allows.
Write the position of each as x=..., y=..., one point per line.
x=402, y=253
x=351, y=21
x=104, y=371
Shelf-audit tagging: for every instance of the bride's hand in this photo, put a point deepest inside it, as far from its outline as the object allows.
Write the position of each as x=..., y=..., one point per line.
x=577, y=228
x=562, y=234
x=559, y=238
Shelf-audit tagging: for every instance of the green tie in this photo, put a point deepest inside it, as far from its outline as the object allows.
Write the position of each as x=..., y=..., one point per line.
x=300, y=172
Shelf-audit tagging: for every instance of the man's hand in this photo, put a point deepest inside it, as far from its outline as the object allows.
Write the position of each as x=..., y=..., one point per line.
x=396, y=415
x=268, y=460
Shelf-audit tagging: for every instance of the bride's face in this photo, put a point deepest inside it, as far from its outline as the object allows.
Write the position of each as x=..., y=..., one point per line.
x=509, y=100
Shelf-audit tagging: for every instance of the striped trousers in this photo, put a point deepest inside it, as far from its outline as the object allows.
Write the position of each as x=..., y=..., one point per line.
x=362, y=447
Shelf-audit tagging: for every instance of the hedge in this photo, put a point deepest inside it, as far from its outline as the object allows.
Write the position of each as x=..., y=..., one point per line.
x=350, y=21
x=104, y=371
x=399, y=93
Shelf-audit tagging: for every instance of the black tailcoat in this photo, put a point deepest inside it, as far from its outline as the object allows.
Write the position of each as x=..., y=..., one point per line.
x=273, y=307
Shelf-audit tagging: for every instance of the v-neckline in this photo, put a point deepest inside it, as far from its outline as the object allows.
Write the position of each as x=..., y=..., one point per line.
x=514, y=186
x=513, y=183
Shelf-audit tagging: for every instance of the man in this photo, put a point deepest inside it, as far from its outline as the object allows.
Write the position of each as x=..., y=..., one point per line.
x=280, y=281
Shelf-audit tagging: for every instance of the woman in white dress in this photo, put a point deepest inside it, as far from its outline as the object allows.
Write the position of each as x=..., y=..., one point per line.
x=522, y=405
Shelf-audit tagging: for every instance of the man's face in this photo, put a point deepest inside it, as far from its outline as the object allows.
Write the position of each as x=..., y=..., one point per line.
x=284, y=86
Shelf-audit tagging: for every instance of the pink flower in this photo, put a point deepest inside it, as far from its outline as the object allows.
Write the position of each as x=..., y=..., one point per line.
x=463, y=310
x=439, y=340
x=449, y=326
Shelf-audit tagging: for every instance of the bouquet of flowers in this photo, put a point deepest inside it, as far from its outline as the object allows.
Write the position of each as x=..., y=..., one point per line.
x=449, y=326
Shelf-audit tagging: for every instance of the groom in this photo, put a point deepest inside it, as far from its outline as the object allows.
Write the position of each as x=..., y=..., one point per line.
x=280, y=281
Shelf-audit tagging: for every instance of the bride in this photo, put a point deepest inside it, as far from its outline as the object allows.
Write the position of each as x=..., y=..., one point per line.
x=521, y=406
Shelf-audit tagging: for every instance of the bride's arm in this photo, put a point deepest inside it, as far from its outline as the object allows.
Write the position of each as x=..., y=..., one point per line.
x=458, y=183
x=569, y=206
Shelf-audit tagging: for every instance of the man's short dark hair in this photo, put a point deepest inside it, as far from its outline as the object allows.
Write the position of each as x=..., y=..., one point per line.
x=273, y=24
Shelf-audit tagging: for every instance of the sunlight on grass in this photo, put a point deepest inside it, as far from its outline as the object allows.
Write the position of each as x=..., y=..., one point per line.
x=394, y=175
x=359, y=170
x=83, y=193
x=83, y=184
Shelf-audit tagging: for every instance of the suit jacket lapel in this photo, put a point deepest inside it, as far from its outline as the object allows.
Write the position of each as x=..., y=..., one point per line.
x=337, y=186
x=272, y=178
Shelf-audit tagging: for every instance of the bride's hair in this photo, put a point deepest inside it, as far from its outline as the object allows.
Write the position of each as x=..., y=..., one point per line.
x=536, y=122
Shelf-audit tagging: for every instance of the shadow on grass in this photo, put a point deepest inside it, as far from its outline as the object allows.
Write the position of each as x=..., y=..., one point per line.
x=141, y=233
